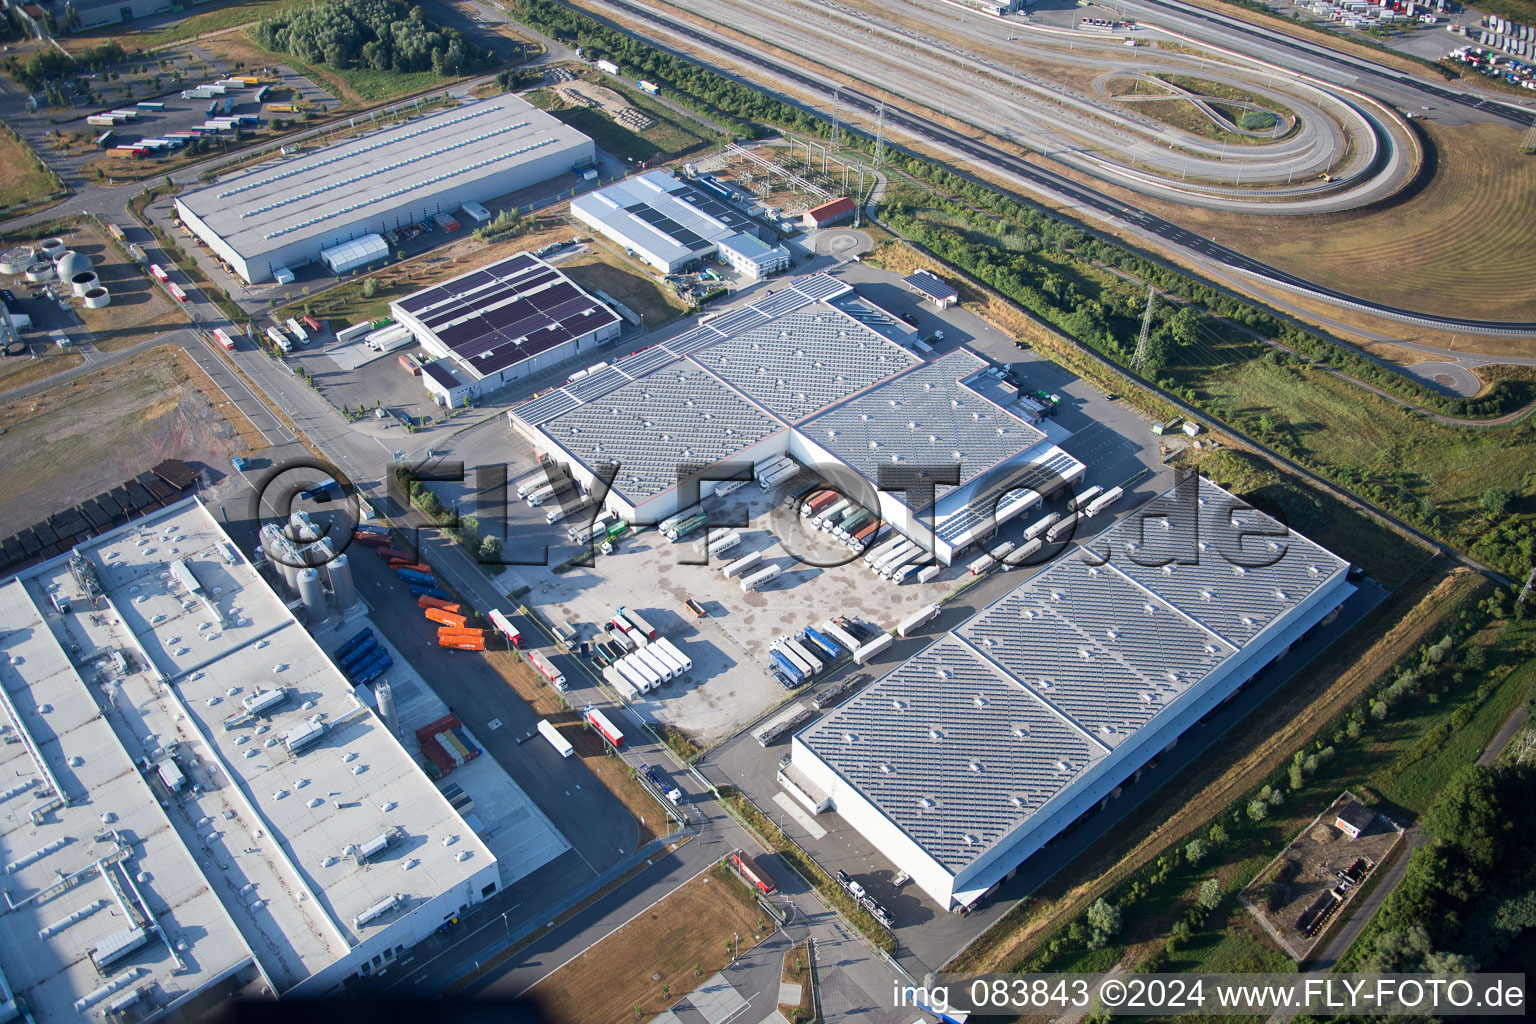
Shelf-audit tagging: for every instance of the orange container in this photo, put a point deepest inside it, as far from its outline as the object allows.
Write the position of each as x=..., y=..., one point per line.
x=436, y=602
x=446, y=618
x=421, y=567
x=459, y=631
x=462, y=643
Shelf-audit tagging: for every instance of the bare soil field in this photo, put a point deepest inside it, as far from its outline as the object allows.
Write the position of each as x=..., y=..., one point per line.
x=19, y=371
x=657, y=958
x=598, y=271
x=1464, y=244
x=90, y=433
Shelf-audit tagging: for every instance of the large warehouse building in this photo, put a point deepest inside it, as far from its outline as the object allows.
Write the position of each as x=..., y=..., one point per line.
x=668, y=223
x=968, y=758
x=276, y=216
x=196, y=801
x=497, y=324
x=821, y=374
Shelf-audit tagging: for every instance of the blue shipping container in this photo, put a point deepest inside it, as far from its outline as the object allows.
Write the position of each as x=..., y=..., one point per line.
x=362, y=654
x=438, y=592
x=417, y=577
x=825, y=643
x=374, y=670
x=788, y=667
x=354, y=643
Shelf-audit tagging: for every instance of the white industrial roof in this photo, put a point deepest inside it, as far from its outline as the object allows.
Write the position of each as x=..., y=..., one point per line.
x=961, y=745
x=926, y=417
x=265, y=208
x=712, y=391
x=656, y=213
x=75, y=872
x=273, y=834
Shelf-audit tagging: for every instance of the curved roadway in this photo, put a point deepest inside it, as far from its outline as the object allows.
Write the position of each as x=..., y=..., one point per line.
x=1055, y=186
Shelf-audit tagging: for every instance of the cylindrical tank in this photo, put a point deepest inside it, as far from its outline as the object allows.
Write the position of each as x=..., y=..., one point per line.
x=342, y=587
x=320, y=553
x=387, y=712
x=83, y=281
x=51, y=248
x=15, y=260
x=39, y=271
x=312, y=593
x=301, y=528
x=69, y=263
x=288, y=563
x=96, y=298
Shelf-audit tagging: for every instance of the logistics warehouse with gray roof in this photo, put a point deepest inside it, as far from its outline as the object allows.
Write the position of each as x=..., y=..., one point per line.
x=969, y=757
x=279, y=215
x=670, y=224
x=500, y=323
x=820, y=374
x=198, y=802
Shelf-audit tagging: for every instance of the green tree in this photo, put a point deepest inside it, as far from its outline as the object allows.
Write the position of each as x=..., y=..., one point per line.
x=1195, y=851
x=1104, y=917
x=370, y=287
x=1258, y=810
x=490, y=549
x=1210, y=893
x=1496, y=500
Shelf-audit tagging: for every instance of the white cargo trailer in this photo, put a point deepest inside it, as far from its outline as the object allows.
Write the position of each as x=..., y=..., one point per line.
x=805, y=653
x=741, y=564
x=795, y=659
x=874, y=647
x=1103, y=502
x=661, y=666
x=761, y=577
x=659, y=652
x=915, y=621
x=1063, y=528
x=929, y=573
x=840, y=634
x=676, y=653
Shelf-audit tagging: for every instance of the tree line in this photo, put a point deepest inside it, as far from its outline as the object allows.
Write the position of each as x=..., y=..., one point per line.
x=382, y=35
x=49, y=64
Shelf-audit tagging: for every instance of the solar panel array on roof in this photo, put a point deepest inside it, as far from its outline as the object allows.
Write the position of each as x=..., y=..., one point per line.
x=502, y=314
x=971, y=737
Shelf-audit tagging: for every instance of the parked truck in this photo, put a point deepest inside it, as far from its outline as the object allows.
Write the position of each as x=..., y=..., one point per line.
x=1103, y=502
x=550, y=490
x=848, y=641
x=782, y=652
x=786, y=667
x=741, y=565
x=637, y=622
x=874, y=647
x=603, y=724
x=547, y=670
x=1083, y=498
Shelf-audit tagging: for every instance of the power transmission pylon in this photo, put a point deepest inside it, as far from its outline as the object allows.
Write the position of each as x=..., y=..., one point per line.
x=880, y=135
x=1528, y=144
x=1139, y=359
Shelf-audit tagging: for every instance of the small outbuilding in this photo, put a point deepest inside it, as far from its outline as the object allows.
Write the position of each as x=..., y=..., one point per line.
x=933, y=288
x=1354, y=818
x=833, y=211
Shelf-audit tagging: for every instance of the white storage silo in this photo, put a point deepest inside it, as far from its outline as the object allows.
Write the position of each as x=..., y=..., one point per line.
x=312, y=593
x=342, y=587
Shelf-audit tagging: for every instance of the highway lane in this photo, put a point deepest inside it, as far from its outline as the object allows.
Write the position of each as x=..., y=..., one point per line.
x=1057, y=187
x=1304, y=56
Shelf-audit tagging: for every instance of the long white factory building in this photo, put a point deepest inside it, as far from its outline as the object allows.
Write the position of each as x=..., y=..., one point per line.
x=969, y=757
x=819, y=373
x=195, y=803
x=276, y=216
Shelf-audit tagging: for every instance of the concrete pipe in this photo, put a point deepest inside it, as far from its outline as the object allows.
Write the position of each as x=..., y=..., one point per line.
x=15, y=260
x=96, y=298
x=41, y=271
x=84, y=281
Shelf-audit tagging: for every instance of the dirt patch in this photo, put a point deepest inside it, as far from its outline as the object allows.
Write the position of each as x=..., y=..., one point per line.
x=19, y=371
x=635, y=289
x=613, y=772
x=1315, y=876
x=88, y=434
x=656, y=958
